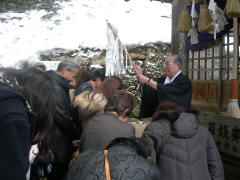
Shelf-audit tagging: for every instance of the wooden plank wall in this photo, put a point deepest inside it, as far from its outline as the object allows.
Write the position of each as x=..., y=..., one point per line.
x=210, y=95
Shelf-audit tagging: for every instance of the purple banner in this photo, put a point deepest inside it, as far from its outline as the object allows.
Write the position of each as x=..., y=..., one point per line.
x=205, y=38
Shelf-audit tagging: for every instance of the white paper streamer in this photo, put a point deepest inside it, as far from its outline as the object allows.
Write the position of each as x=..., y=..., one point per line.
x=114, y=59
x=193, y=32
x=218, y=17
x=193, y=36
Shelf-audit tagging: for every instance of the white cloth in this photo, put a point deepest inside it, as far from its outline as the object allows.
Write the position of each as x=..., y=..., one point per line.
x=168, y=80
x=32, y=155
x=219, y=19
x=193, y=35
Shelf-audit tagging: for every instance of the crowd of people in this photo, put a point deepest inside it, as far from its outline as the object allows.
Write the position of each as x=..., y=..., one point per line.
x=72, y=124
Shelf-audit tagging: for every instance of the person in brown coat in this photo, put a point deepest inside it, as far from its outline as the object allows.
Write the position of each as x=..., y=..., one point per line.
x=102, y=129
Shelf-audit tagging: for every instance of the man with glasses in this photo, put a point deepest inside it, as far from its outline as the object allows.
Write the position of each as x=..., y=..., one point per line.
x=174, y=87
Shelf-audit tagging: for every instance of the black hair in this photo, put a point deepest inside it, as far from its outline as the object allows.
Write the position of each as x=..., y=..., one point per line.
x=171, y=111
x=38, y=89
x=97, y=73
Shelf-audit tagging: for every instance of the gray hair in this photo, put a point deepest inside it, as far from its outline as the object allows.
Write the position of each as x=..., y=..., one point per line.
x=69, y=64
x=178, y=60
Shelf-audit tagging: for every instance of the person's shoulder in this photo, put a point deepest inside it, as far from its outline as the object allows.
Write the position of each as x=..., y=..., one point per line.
x=183, y=76
x=13, y=109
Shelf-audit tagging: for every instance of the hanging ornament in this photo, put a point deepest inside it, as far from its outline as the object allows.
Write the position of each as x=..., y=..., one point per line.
x=205, y=20
x=192, y=33
x=193, y=36
x=233, y=8
x=194, y=14
x=219, y=19
x=184, y=23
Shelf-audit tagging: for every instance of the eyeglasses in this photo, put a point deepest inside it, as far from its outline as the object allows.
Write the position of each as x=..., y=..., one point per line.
x=168, y=63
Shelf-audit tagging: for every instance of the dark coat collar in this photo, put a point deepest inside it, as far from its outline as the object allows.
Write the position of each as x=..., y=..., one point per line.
x=65, y=83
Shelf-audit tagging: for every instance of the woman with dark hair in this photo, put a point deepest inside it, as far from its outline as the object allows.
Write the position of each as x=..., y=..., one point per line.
x=127, y=161
x=83, y=76
x=102, y=129
x=91, y=103
x=187, y=151
x=27, y=107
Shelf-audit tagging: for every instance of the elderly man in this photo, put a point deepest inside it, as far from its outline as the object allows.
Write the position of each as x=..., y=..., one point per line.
x=174, y=87
x=64, y=130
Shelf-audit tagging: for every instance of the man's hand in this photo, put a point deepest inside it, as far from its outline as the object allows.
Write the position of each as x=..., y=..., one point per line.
x=142, y=79
x=137, y=71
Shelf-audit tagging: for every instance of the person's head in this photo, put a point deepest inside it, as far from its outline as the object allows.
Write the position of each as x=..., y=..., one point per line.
x=171, y=111
x=38, y=89
x=121, y=103
x=110, y=85
x=83, y=76
x=68, y=69
x=40, y=66
x=173, y=65
x=97, y=76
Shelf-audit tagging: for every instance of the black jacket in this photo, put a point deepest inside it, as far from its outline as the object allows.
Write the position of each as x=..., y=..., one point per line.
x=125, y=164
x=16, y=129
x=179, y=91
x=64, y=129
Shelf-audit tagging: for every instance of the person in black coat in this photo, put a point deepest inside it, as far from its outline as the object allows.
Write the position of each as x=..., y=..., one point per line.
x=127, y=161
x=64, y=129
x=174, y=87
x=27, y=106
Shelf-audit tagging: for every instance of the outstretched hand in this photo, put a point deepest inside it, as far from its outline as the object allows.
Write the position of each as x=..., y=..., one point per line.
x=137, y=71
x=139, y=74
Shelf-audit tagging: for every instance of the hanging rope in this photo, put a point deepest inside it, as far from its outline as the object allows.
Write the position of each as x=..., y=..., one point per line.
x=117, y=56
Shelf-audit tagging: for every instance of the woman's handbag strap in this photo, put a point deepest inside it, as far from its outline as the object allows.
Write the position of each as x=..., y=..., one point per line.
x=107, y=168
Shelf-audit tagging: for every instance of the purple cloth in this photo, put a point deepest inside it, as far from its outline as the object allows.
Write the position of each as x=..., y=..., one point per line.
x=206, y=38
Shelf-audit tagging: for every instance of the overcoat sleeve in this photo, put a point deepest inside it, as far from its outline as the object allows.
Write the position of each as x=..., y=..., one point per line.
x=154, y=137
x=215, y=165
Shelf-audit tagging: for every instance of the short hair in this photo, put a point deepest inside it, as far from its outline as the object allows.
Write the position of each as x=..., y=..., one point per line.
x=178, y=59
x=110, y=85
x=119, y=102
x=70, y=64
x=97, y=73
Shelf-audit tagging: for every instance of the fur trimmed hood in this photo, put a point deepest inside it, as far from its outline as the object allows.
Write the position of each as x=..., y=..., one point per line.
x=89, y=101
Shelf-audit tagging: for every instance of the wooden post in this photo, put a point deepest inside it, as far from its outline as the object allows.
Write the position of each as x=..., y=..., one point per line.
x=235, y=48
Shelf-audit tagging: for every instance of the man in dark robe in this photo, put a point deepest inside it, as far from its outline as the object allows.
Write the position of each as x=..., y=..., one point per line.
x=174, y=87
